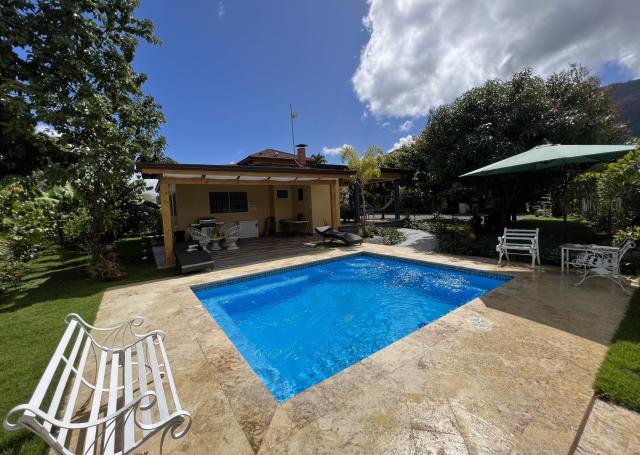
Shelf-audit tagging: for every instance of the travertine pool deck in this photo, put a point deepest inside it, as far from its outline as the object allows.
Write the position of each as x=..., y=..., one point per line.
x=509, y=372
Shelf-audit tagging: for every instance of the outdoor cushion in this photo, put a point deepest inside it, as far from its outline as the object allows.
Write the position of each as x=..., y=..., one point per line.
x=327, y=232
x=190, y=261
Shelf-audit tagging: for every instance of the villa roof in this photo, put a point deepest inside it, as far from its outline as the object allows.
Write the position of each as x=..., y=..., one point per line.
x=155, y=170
x=271, y=157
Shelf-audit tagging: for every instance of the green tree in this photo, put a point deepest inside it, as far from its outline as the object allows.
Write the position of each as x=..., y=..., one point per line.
x=620, y=181
x=365, y=167
x=24, y=228
x=68, y=65
x=317, y=159
x=502, y=118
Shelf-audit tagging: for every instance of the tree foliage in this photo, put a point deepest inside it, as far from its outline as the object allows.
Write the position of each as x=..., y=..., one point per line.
x=317, y=159
x=365, y=167
x=614, y=189
x=68, y=65
x=24, y=228
x=502, y=118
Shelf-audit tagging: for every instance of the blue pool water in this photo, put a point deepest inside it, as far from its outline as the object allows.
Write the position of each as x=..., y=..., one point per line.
x=298, y=327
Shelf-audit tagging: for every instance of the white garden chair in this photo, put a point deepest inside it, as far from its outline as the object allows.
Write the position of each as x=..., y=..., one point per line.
x=231, y=234
x=604, y=262
x=197, y=235
x=129, y=389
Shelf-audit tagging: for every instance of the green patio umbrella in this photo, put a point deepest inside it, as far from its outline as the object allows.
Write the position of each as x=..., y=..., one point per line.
x=548, y=156
x=553, y=155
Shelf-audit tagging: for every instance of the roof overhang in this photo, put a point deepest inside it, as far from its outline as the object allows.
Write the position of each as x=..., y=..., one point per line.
x=210, y=173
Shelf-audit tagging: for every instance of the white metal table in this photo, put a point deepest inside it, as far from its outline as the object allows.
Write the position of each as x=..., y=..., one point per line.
x=566, y=248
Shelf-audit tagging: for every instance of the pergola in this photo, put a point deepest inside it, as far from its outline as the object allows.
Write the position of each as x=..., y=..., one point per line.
x=331, y=176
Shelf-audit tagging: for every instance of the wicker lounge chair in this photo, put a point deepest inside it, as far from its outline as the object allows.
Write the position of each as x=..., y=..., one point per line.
x=328, y=233
x=198, y=236
x=231, y=234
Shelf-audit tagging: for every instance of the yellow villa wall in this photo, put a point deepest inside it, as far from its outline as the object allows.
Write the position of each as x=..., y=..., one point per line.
x=192, y=203
x=321, y=214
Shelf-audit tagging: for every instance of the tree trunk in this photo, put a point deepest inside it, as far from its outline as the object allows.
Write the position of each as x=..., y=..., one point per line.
x=96, y=237
x=364, y=209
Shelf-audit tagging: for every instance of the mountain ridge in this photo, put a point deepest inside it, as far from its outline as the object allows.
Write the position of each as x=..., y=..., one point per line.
x=627, y=96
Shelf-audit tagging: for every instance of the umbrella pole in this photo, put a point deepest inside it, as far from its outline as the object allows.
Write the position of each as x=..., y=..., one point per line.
x=565, y=185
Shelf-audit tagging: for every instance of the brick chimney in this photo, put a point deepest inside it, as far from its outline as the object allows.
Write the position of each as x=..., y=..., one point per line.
x=302, y=154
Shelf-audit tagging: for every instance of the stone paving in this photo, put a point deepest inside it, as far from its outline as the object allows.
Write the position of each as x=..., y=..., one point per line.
x=509, y=372
x=610, y=429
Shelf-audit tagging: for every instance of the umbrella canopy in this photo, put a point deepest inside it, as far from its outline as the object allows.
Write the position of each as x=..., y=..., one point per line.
x=554, y=155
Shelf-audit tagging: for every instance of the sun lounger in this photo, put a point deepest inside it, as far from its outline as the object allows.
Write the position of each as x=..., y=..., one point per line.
x=328, y=233
x=190, y=259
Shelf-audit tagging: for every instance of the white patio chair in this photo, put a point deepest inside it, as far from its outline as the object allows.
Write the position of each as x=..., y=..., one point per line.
x=203, y=239
x=231, y=234
x=604, y=262
x=129, y=389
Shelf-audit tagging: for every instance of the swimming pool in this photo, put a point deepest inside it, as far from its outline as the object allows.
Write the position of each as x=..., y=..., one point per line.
x=299, y=326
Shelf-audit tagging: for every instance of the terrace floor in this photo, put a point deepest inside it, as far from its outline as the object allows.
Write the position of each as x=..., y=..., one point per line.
x=254, y=251
x=510, y=372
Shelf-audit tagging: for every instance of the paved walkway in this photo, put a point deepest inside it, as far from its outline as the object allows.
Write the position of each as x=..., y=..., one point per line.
x=610, y=429
x=509, y=372
x=419, y=240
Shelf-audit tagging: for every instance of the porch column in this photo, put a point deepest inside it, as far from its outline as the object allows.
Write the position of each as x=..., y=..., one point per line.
x=167, y=228
x=356, y=202
x=335, y=212
x=396, y=192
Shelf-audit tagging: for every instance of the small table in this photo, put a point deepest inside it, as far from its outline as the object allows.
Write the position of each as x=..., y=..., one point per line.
x=300, y=226
x=566, y=248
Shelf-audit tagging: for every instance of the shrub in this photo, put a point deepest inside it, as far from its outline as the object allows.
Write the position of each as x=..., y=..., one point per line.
x=433, y=227
x=621, y=235
x=24, y=228
x=11, y=274
x=457, y=242
x=391, y=236
x=368, y=230
x=77, y=231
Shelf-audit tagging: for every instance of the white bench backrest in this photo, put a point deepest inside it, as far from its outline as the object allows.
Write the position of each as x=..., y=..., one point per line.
x=521, y=235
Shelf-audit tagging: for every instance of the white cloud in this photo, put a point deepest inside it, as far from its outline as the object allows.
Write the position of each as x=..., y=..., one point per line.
x=408, y=139
x=220, y=9
x=328, y=151
x=422, y=53
x=406, y=125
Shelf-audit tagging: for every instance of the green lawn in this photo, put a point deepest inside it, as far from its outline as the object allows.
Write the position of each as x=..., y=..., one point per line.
x=618, y=379
x=32, y=321
x=552, y=230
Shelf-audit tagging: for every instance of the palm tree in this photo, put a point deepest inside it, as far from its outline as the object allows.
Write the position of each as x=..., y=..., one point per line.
x=317, y=159
x=365, y=167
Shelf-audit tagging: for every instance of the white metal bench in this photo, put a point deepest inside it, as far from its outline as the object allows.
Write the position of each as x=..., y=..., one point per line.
x=129, y=390
x=519, y=241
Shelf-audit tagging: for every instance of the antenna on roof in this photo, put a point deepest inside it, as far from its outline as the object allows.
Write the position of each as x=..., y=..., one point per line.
x=293, y=140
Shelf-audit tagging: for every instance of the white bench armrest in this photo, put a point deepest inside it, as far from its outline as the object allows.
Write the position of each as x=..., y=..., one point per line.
x=114, y=339
x=132, y=406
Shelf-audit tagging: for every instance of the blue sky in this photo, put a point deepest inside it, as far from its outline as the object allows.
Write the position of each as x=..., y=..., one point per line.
x=226, y=73
x=225, y=83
